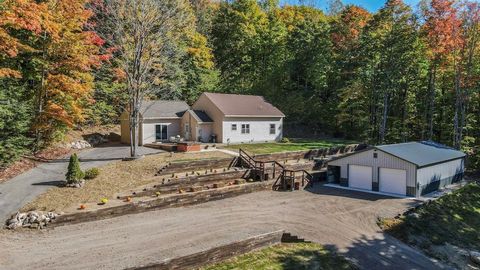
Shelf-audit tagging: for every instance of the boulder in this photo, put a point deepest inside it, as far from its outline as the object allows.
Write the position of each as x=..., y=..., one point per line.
x=475, y=257
x=81, y=144
x=31, y=219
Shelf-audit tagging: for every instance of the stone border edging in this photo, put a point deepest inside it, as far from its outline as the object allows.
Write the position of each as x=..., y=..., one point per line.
x=313, y=153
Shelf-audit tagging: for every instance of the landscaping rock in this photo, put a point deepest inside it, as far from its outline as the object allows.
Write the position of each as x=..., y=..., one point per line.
x=76, y=185
x=475, y=257
x=31, y=219
x=81, y=144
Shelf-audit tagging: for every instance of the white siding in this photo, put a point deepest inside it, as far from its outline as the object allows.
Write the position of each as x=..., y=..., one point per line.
x=148, y=131
x=259, y=129
x=440, y=171
x=383, y=160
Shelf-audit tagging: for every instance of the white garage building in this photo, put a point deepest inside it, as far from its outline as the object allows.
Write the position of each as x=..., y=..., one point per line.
x=410, y=169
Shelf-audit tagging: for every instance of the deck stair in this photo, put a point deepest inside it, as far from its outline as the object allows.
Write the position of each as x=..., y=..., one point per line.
x=284, y=178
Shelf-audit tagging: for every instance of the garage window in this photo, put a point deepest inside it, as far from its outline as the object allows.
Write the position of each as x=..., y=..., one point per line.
x=245, y=128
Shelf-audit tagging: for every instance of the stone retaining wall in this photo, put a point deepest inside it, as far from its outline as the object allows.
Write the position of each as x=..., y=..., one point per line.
x=314, y=153
x=177, y=200
x=217, y=254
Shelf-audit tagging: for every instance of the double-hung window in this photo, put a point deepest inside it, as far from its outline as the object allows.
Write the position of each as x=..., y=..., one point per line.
x=272, y=128
x=234, y=127
x=245, y=128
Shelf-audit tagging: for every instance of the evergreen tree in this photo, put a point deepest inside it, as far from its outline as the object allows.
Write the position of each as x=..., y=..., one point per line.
x=74, y=173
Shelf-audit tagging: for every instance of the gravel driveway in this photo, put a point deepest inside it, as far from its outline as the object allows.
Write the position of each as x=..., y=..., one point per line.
x=339, y=219
x=21, y=189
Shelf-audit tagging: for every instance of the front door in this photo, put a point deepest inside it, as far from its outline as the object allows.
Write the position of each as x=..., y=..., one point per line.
x=161, y=133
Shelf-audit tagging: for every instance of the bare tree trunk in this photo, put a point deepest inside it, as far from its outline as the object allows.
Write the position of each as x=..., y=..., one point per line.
x=431, y=101
x=42, y=93
x=458, y=104
x=144, y=35
x=404, y=114
x=383, y=126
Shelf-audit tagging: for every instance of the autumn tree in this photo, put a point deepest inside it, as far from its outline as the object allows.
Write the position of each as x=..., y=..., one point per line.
x=66, y=59
x=16, y=16
x=442, y=34
x=391, y=57
x=466, y=77
x=144, y=35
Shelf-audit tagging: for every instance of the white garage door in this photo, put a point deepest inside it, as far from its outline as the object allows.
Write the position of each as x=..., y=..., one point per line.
x=393, y=181
x=360, y=177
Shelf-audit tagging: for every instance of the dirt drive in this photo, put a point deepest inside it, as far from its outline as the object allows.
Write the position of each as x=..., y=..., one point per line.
x=339, y=219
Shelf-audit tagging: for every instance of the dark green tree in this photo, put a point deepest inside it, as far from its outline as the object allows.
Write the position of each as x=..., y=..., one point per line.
x=74, y=173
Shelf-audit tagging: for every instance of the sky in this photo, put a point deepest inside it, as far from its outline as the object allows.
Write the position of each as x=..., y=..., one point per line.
x=370, y=5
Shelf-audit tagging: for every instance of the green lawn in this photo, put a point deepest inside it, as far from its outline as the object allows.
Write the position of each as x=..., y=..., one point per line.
x=453, y=219
x=287, y=256
x=293, y=145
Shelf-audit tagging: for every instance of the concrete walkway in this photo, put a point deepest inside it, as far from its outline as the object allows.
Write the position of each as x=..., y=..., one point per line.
x=341, y=220
x=23, y=188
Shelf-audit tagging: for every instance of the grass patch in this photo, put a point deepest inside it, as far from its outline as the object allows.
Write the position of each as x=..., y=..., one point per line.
x=113, y=178
x=286, y=256
x=453, y=219
x=293, y=145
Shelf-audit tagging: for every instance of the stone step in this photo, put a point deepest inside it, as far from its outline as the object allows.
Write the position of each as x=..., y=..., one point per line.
x=289, y=238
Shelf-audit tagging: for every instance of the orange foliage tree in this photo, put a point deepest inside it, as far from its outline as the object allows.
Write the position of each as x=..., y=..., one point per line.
x=67, y=52
x=17, y=15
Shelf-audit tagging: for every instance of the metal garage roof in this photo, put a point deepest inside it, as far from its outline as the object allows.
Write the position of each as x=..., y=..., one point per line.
x=421, y=153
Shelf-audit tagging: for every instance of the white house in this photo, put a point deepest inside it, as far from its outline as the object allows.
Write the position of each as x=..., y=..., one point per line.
x=410, y=169
x=223, y=118
x=241, y=118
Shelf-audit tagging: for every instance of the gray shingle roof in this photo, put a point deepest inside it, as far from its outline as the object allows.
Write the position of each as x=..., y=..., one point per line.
x=422, y=153
x=243, y=105
x=163, y=109
x=202, y=116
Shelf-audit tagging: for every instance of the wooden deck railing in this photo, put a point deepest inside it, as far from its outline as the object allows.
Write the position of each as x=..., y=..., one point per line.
x=286, y=177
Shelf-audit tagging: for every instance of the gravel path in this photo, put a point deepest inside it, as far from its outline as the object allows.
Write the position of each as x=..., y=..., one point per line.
x=23, y=188
x=339, y=219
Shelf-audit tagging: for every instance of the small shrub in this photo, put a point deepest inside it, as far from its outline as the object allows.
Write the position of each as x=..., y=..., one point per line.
x=285, y=140
x=92, y=173
x=74, y=173
x=104, y=201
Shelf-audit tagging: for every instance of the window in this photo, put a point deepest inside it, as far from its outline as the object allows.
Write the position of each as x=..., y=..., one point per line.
x=245, y=128
x=161, y=132
x=375, y=155
x=234, y=127
x=272, y=128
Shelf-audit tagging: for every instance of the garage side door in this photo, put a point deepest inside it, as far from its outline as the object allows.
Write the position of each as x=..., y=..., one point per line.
x=393, y=181
x=360, y=177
